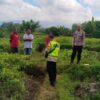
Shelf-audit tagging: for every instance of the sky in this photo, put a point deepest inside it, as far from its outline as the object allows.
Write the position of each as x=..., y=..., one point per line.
x=50, y=12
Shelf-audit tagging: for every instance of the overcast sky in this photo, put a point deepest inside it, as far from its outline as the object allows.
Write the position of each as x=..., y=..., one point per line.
x=49, y=12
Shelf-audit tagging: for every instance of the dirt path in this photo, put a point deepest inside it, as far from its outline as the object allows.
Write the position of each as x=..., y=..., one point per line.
x=39, y=90
x=47, y=92
x=37, y=85
x=32, y=87
x=34, y=79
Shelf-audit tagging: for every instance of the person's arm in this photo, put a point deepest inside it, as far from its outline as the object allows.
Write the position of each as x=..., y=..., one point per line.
x=31, y=38
x=83, y=38
x=73, y=41
x=48, y=48
x=25, y=39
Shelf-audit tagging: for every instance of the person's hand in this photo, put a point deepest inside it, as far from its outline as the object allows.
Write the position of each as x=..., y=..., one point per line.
x=46, y=54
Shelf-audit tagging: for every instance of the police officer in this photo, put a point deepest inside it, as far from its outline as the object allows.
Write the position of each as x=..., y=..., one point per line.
x=51, y=55
x=77, y=44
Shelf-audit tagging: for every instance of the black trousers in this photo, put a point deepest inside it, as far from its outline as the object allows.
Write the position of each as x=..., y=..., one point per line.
x=14, y=50
x=51, y=69
x=77, y=50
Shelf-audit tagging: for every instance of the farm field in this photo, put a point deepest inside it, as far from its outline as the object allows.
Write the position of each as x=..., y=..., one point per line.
x=24, y=77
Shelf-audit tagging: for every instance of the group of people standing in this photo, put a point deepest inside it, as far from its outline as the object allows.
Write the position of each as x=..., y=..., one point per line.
x=15, y=41
x=52, y=49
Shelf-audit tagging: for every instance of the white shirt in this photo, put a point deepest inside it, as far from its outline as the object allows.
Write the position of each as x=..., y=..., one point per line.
x=28, y=44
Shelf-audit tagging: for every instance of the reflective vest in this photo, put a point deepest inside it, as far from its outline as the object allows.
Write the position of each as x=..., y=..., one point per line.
x=54, y=47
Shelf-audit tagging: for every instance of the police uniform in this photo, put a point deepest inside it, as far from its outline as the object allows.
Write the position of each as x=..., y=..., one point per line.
x=54, y=47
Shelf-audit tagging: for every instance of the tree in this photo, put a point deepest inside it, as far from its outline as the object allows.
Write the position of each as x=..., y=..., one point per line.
x=61, y=30
x=29, y=25
x=53, y=30
x=10, y=26
x=92, y=28
x=64, y=31
x=88, y=28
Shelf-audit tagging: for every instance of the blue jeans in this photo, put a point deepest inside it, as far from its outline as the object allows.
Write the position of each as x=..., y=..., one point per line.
x=28, y=51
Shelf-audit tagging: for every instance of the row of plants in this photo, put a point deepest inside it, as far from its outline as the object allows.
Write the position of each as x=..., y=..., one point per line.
x=82, y=72
x=71, y=76
x=11, y=85
x=66, y=43
x=13, y=71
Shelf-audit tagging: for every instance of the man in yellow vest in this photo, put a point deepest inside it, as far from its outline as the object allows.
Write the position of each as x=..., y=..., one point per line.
x=53, y=49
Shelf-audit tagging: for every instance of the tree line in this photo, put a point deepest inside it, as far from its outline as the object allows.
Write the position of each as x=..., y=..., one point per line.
x=92, y=28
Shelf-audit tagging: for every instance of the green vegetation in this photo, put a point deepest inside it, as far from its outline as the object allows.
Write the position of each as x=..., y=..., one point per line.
x=24, y=78
x=91, y=28
x=13, y=77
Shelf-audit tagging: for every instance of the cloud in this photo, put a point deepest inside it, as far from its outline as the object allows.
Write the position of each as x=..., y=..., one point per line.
x=94, y=5
x=66, y=12
x=17, y=10
x=48, y=12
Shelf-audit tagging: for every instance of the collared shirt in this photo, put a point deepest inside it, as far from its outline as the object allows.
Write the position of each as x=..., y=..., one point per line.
x=78, y=38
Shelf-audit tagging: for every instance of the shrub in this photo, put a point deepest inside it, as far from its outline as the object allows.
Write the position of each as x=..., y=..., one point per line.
x=79, y=72
x=95, y=71
x=11, y=85
x=95, y=96
x=82, y=72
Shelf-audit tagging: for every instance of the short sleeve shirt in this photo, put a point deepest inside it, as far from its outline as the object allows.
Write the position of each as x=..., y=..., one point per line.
x=28, y=44
x=79, y=38
x=14, y=40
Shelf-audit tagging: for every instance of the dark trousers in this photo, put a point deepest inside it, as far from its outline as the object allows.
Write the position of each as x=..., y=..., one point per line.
x=28, y=51
x=51, y=69
x=14, y=50
x=77, y=50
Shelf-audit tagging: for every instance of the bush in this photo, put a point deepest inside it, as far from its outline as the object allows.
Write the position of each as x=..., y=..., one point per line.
x=79, y=72
x=95, y=96
x=2, y=35
x=95, y=71
x=53, y=30
x=82, y=72
x=11, y=85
